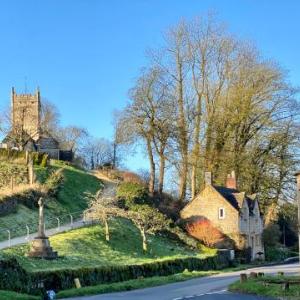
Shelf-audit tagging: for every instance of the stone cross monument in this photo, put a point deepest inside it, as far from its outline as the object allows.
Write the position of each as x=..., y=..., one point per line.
x=40, y=246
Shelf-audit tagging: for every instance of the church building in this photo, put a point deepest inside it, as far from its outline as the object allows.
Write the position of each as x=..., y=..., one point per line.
x=26, y=132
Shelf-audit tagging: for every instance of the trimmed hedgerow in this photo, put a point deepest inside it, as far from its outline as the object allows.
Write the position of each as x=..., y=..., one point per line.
x=17, y=279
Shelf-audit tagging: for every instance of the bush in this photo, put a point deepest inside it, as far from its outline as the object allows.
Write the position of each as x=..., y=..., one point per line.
x=277, y=253
x=204, y=231
x=44, y=161
x=132, y=193
x=271, y=235
x=54, y=183
x=39, y=158
x=132, y=177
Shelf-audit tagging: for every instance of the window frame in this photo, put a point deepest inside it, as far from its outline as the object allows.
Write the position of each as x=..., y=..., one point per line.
x=221, y=216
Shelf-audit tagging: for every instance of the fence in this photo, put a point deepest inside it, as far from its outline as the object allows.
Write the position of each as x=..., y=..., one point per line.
x=21, y=233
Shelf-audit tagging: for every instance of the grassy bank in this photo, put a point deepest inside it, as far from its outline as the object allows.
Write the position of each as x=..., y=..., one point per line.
x=133, y=284
x=71, y=198
x=263, y=287
x=7, y=295
x=86, y=247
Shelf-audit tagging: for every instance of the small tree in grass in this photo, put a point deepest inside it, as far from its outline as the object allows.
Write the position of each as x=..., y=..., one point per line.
x=203, y=230
x=103, y=207
x=148, y=220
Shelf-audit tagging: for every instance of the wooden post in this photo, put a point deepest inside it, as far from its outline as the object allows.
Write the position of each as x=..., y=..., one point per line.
x=285, y=286
x=243, y=277
x=12, y=183
x=253, y=275
x=31, y=172
x=77, y=283
x=260, y=274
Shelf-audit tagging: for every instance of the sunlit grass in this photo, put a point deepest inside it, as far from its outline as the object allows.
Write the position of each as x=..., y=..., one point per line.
x=257, y=287
x=87, y=247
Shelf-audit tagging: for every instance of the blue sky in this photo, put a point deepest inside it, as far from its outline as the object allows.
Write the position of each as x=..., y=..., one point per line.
x=85, y=54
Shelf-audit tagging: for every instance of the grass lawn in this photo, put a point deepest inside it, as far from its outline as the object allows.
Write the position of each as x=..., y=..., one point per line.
x=71, y=198
x=256, y=286
x=133, y=284
x=7, y=295
x=87, y=247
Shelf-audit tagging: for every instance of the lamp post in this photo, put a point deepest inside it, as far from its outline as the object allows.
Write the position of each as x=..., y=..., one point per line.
x=298, y=201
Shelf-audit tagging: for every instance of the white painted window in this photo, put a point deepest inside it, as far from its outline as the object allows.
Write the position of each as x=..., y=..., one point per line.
x=221, y=213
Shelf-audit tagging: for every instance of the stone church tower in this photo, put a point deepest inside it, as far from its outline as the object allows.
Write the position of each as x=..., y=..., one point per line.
x=26, y=132
x=26, y=113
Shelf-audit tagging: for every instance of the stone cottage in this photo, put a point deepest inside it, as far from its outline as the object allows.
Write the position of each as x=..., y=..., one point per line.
x=234, y=213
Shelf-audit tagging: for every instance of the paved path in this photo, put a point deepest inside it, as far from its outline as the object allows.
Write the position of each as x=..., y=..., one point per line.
x=207, y=288
x=49, y=232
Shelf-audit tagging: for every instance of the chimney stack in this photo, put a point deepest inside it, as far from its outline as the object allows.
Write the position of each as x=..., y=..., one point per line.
x=231, y=181
x=207, y=178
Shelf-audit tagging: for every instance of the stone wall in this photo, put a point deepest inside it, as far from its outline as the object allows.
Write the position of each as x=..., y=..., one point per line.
x=207, y=205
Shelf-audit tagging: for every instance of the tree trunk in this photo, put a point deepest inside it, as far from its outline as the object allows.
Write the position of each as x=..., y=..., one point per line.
x=183, y=177
x=152, y=168
x=114, y=163
x=183, y=142
x=107, y=236
x=161, y=174
x=196, y=150
x=145, y=244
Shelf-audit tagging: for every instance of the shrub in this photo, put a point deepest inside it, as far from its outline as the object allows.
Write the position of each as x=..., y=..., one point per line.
x=54, y=183
x=39, y=158
x=132, y=178
x=44, y=161
x=271, y=235
x=204, y=231
x=132, y=193
x=277, y=253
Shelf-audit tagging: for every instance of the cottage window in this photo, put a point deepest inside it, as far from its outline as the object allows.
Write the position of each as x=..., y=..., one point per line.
x=221, y=213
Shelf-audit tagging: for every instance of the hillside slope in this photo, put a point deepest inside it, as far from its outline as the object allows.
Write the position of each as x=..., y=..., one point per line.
x=70, y=199
x=86, y=247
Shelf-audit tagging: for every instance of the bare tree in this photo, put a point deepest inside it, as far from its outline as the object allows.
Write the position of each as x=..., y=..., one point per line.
x=72, y=137
x=50, y=118
x=103, y=207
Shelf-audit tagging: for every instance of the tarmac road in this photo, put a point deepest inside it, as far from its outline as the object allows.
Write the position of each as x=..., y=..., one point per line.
x=206, y=288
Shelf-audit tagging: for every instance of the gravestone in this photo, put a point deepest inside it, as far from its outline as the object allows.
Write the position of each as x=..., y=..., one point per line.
x=40, y=246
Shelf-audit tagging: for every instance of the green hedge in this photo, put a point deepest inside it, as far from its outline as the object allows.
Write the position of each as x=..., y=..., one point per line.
x=132, y=193
x=12, y=275
x=20, y=281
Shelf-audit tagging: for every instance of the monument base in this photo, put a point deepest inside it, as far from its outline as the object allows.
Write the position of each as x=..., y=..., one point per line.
x=40, y=248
